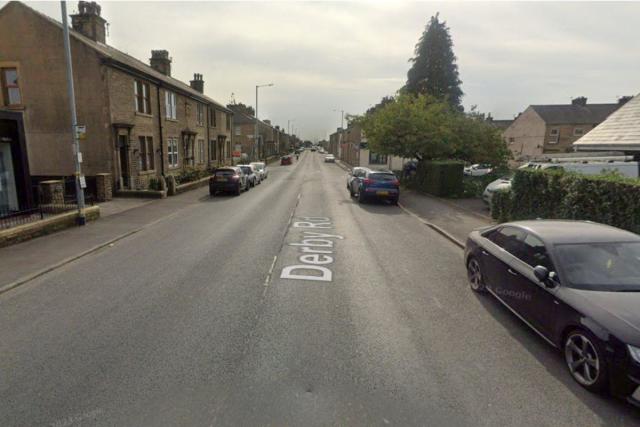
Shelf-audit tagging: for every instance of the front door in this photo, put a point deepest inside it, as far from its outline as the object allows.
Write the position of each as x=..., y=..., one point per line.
x=123, y=148
x=8, y=192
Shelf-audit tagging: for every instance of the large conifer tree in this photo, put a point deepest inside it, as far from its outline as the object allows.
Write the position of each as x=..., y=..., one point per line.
x=434, y=71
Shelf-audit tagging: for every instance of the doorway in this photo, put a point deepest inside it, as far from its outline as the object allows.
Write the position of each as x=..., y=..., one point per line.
x=123, y=151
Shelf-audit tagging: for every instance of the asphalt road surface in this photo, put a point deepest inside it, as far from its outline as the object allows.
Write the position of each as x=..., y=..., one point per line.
x=205, y=318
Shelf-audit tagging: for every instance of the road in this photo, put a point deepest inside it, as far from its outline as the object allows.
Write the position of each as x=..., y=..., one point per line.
x=189, y=322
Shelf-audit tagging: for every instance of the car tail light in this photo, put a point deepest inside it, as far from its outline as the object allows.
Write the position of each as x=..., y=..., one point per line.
x=235, y=177
x=396, y=183
x=367, y=181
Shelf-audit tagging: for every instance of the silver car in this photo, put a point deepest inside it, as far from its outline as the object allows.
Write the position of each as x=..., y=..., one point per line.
x=261, y=169
x=500, y=184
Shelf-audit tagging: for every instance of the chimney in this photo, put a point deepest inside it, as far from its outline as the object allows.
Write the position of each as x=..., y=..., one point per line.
x=581, y=101
x=267, y=122
x=624, y=99
x=88, y=21
x=161, y=62
x=197, y=83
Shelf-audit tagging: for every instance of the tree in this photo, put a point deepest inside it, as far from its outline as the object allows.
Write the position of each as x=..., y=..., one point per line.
x=241, y=108
x=434, y=71
x=428, y=129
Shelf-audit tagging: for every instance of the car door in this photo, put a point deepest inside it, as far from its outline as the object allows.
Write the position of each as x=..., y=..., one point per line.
x=532, y=299
x=355, y=182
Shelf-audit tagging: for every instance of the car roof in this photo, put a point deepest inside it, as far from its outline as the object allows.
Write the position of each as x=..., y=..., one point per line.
x=381, y=171
x=227, y=168
x=567, y=231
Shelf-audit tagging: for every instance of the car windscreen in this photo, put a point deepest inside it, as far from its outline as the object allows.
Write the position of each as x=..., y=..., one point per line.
x=225, y=172
x=382, y=177
x=258, y=166
x=607, y=266
x=246, y=169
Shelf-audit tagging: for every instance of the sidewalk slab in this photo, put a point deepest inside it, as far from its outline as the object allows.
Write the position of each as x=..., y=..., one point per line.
x=456, y=220
x=24, y=259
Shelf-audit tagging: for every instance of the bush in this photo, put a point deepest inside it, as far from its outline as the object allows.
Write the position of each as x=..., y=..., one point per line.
x=502, y=205
x=154, y=184
x=190, y=174
x=607, y=199
x=440, y=178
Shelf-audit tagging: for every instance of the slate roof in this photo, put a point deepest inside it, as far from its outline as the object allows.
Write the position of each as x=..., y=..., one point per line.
x=114, y=55
x=621, y=131
x=502, y=124
x=574, y=114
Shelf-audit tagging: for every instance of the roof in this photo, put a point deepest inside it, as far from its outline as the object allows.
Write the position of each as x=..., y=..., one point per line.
x=621, y=131
x=575, y=114
x=501, y=124
x=566, y=231
x=114, y=55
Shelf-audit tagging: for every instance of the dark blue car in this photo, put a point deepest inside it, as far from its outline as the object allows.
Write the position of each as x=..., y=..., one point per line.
x=372, y=184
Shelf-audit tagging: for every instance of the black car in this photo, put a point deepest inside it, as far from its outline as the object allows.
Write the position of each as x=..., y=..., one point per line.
x=228, y=180
x=577, y=284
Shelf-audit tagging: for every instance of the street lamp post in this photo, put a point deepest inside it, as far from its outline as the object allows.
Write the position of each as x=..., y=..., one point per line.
x=74, y=119
x=256, y=138
x=339, y=153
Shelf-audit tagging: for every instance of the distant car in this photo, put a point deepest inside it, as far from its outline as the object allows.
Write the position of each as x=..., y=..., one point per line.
x=313, y=148
x=500, y=184
x=228, y=180
x=576, y=284
x=329, y=158
x=252, y=175
x=478, y=170
x=376, y=184
x=261, y=169
x=285, y=160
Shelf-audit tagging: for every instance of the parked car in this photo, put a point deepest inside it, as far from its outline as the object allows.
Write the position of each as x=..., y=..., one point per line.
x=228, y=180
x=252, y=175
x=500, y=184
x=478, y=170
x=375, y=184
x=329, y=158
x=285, y=160
x=575, y=283
x=313, y=148
x=261, y=169
x=354, y=174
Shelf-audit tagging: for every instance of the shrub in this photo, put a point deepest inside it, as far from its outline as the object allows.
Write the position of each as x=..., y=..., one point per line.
x=607, y=199
x=154, y=184
x=190, y=174
x=440, y=178
x=502, y=205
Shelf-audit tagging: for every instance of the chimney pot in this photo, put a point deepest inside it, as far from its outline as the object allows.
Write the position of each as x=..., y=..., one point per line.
x=197, y=83
x=88, y=21
x=624, y=99
x=581, y=101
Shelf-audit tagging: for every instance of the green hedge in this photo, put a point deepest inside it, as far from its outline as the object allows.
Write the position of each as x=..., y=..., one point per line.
x=606, y=199
x=502, y=205
x=440, y=178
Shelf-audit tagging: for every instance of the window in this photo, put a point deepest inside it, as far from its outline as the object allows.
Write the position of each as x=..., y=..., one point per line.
x=10, y=87
x=238, y=130
x=228, y=121
x=535, y=253
x=201, y=157
x=143, y=103
x=170, y=105
x=172, y=152
x=377, y=159
x=212, y=150
x=578, y=132
x=200, y=114
x=212, y=118
x=510, y=239
x=512, y=139
x=146, y=153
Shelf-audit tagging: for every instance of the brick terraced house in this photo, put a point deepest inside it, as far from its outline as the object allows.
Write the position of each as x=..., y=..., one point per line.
x=141, y=123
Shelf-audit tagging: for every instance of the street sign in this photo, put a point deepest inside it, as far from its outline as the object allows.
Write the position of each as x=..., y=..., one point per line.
x=79, y=157
x=83, y=182
x=81, y=132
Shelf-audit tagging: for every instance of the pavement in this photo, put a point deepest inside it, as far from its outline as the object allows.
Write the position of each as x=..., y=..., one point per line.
x=291, y=304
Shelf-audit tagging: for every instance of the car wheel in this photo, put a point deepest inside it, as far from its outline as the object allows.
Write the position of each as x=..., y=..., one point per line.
x=584, y=356
x=238, y=190
x=394, y=201
x=474, y=273
x=361, y=197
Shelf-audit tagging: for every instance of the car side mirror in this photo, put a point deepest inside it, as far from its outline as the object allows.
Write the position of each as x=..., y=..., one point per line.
x=541, y=273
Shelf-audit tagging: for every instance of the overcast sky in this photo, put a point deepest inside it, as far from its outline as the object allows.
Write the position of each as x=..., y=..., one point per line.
x=327, y=56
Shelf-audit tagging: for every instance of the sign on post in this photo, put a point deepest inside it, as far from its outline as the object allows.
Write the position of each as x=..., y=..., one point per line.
x=81, y=132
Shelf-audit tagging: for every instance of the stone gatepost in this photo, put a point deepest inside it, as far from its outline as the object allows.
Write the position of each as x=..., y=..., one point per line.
x=171, y=185
x=104, y=187
x=52, y=192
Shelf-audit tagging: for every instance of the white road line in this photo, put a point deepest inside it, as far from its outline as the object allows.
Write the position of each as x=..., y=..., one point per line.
x=267, y=280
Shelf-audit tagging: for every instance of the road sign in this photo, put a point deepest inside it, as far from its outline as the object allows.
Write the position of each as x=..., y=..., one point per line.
x=83, y=182
x=81, y=132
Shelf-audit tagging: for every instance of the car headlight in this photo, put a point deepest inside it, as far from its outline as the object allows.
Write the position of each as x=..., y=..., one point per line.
x=635, y=353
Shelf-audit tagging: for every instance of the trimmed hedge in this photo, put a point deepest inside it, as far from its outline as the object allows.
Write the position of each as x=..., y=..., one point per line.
x=502, y=205
x=440, y=178
x=607, y=199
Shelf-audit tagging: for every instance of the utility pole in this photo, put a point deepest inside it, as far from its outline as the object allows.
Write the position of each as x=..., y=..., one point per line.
x=81, y=220
x=255, y=136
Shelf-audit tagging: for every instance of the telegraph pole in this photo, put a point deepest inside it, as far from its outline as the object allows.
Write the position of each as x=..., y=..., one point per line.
x=74, y=120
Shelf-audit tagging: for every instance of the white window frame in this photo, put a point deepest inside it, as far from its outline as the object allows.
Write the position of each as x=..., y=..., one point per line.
x=7, y=87
x=554, y=132
x=172, y=152
x=170, y=104
x=575, y=131
x=200, y=114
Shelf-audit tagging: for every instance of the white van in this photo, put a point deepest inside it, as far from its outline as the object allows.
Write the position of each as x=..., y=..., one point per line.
x=628, y=169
